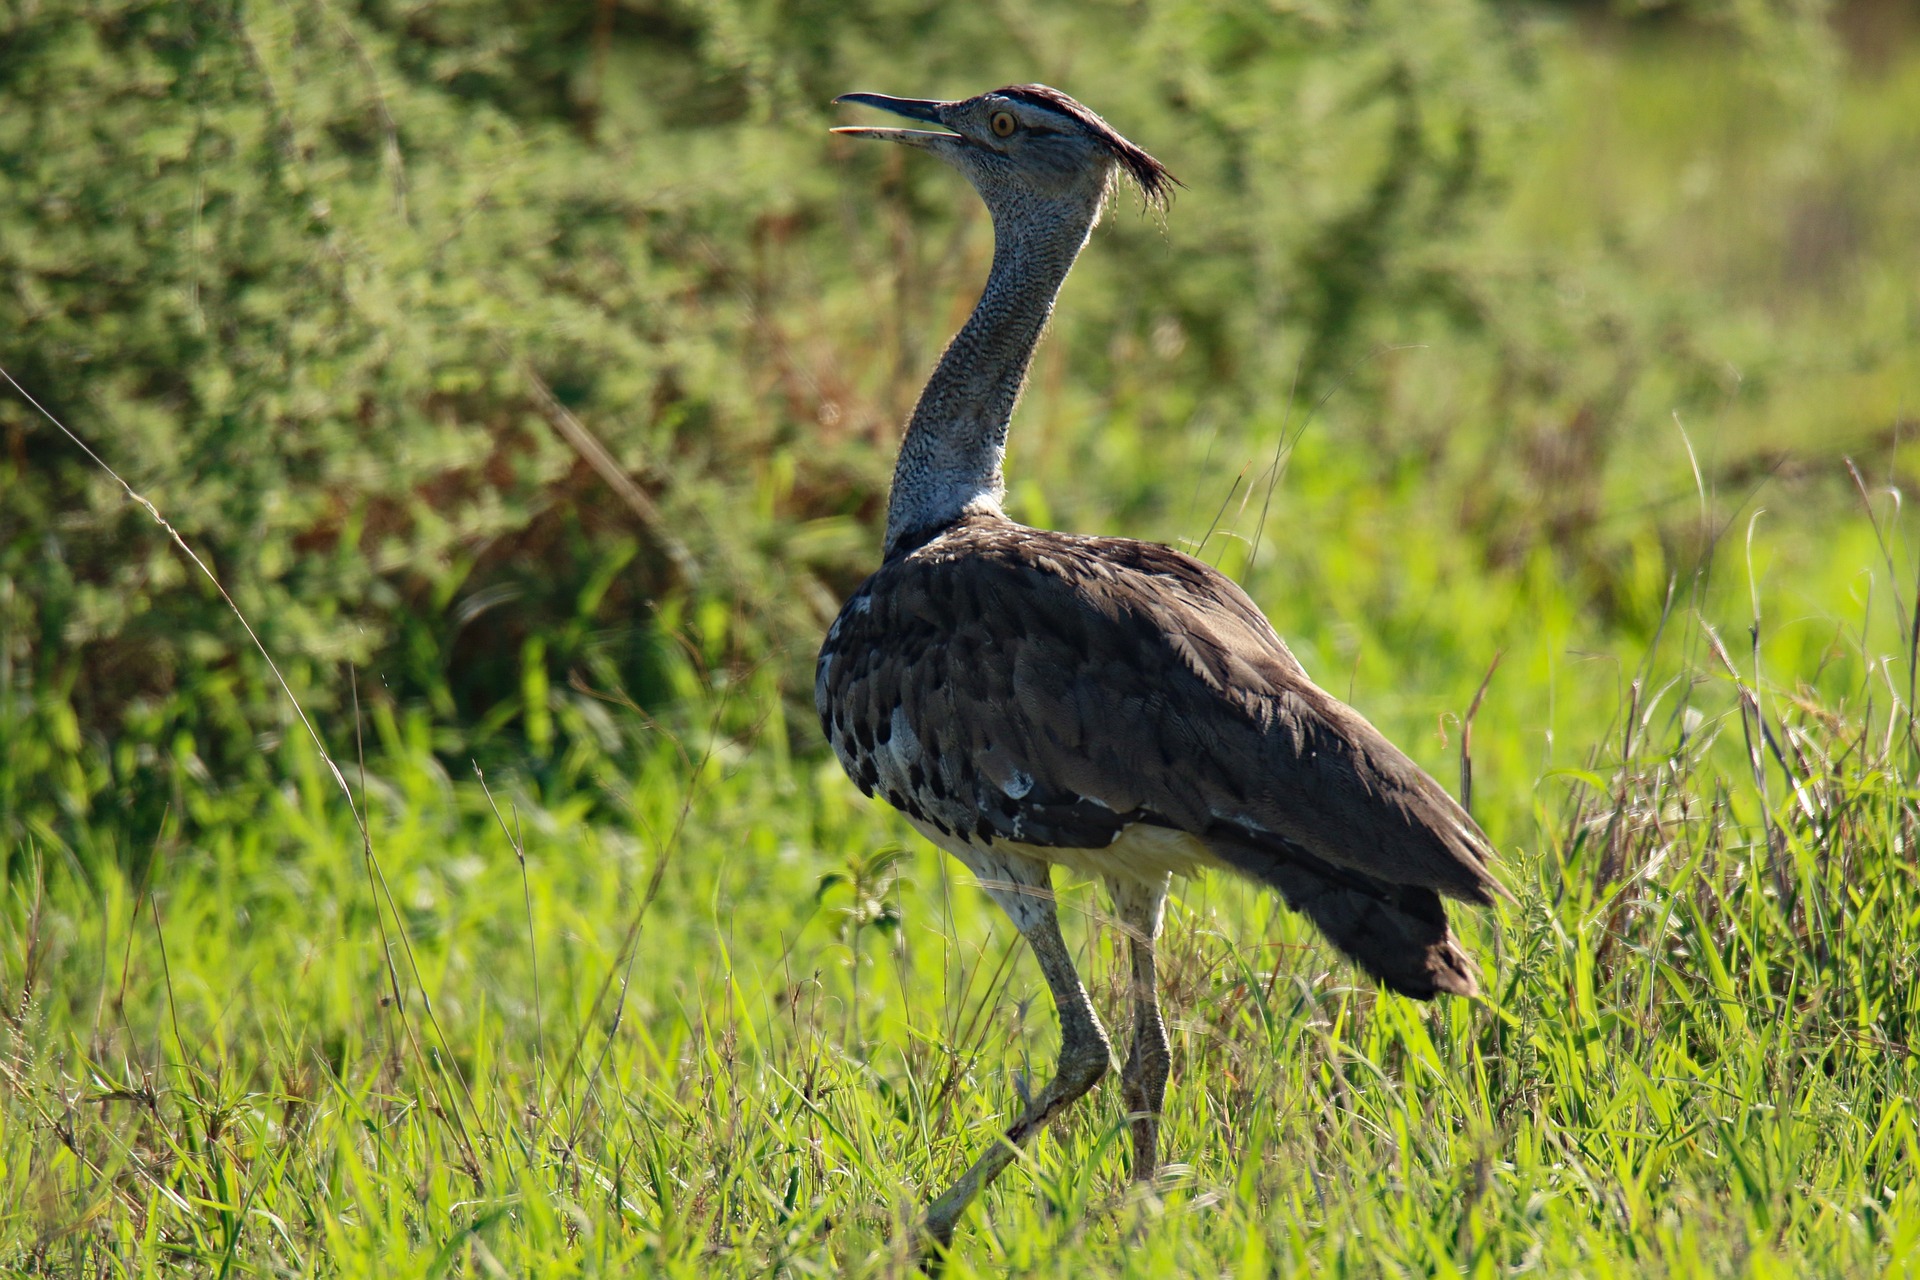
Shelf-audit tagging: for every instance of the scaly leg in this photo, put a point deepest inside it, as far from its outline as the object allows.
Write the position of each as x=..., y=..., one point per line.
x=1023, y=886
x=1143, y=1083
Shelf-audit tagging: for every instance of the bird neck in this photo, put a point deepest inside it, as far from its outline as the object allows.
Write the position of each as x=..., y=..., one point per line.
x=950, y=460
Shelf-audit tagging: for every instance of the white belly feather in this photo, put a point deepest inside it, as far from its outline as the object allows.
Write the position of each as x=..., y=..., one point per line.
x=1144, y=852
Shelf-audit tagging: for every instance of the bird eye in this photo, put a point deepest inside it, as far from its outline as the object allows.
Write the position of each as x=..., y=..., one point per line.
x=1003, y=124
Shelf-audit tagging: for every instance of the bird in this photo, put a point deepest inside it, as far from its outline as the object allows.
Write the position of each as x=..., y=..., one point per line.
x=1030, y=698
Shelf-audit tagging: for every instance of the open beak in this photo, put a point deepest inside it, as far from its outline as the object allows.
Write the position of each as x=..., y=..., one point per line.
x=912, y=108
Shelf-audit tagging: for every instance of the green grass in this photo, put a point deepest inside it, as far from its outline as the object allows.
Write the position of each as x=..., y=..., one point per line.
x=724, y=1016
x=1692, y=1058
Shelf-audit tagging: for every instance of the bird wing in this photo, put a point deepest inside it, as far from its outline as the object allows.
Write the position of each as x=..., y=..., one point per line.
x=1006, y=682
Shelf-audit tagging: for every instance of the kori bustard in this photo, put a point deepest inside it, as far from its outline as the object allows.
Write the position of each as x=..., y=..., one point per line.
x=1029, y=698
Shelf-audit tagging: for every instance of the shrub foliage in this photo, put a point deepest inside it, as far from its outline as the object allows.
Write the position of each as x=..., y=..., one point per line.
x=329, y=282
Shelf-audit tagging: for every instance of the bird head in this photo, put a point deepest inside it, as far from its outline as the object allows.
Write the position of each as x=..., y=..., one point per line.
x=1022, y=143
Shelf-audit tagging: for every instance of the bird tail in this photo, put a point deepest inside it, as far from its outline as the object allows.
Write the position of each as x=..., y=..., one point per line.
x=1397, y=932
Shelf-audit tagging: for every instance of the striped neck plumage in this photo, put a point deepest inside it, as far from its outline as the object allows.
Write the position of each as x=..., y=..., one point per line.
x=950, y=460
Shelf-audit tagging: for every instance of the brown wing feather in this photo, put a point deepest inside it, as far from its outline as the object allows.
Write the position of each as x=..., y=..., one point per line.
x=1053, y=689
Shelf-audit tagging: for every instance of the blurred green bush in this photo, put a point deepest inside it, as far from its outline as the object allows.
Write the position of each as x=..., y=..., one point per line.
x=321, y=279
x=353, y=292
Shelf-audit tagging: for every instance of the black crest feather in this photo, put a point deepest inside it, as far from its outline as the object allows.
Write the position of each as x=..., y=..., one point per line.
x=1155, y=181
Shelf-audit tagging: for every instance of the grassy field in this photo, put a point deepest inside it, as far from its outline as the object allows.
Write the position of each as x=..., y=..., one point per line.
x=671, y=997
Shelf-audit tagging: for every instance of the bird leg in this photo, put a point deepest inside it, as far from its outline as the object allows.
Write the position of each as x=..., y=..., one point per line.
x=1143, y=1083
x=1023, y=887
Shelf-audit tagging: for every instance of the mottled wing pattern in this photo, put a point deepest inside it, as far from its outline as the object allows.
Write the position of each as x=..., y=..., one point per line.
x=1006, y=683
